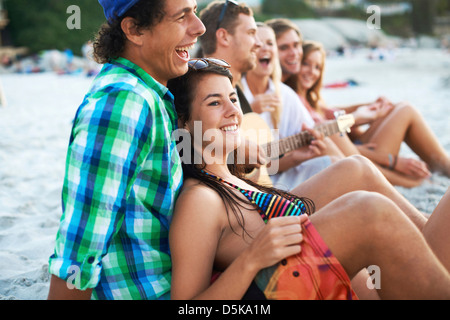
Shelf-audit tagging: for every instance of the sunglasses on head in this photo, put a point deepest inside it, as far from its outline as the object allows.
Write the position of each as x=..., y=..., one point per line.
x=224, y=10
x=202, y=63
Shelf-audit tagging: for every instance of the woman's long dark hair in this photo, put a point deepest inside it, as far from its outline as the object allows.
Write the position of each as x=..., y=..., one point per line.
x=183, y=88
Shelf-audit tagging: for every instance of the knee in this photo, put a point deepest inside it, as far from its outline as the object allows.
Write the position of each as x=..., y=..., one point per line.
x=335, y=159
x=370, y=203
x=403, y=105
x=360, y=161
x=362, y=168
x=377, y=214
x=406, y=109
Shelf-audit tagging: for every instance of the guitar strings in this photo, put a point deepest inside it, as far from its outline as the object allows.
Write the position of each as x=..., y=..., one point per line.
x=301, y=139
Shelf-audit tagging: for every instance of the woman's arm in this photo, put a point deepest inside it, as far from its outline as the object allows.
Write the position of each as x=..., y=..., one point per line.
x=195, y=233
x=352, y=108
x=369, y=112
x=265, y=102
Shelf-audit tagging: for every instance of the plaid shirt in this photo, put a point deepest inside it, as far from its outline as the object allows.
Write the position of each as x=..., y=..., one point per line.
x=123, y=174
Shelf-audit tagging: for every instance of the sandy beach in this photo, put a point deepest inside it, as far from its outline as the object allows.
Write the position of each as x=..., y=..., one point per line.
x=35, y=126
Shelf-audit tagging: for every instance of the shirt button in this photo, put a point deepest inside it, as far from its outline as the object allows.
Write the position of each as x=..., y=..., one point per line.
x=284, y=262
x=91, y=260
x=296, y=274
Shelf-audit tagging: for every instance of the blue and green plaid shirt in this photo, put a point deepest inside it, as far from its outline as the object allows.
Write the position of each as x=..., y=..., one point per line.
x=123, y=174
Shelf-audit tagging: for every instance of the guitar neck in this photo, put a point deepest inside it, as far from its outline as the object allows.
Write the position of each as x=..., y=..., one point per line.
x=299, y=140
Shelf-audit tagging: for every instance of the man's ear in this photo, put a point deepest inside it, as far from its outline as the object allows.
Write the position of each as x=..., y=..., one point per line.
x=223, y=37
x=131, y=30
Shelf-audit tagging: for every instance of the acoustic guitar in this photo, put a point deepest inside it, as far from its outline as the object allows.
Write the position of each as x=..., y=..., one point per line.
x=255, y=129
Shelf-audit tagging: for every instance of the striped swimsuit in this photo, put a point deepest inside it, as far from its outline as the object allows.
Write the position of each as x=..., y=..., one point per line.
x=269, y=205
x=314, y=273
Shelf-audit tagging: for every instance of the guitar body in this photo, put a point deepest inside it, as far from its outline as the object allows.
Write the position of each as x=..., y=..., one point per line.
x=256, y=130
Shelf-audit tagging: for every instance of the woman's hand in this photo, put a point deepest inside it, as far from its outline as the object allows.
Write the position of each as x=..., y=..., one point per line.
x=317, y=147
x=253, y=154
x=372, y=112
x=266, y=102
x=385, y=100
x=412, y=167
x=279, y=239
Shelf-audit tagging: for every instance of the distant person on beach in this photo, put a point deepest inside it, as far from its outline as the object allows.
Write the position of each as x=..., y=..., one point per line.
x=281, y=109
x=90, y=66
x=123, y=172
x=231, y=238
x=69, y=60
x=389, y=124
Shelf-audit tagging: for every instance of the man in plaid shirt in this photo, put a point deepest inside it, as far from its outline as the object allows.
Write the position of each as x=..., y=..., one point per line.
x=123, y=172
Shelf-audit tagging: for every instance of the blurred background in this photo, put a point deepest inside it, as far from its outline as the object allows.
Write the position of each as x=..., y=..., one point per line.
x=30, y=28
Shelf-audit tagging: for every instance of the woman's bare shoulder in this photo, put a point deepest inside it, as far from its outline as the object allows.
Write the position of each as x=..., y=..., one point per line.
x=195, y=194
x=199, y=207
x=194, y=187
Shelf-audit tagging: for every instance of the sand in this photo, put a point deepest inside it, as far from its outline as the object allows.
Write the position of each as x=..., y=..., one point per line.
x=421, y=77
x=35, y=126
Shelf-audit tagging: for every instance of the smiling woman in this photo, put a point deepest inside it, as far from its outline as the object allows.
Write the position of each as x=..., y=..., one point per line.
x=218, y=133
x=260, y=239
x=387, y=126
x=280, y=108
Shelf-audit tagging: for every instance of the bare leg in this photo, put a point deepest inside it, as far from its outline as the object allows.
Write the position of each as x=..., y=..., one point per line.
x=332, y=149
x=344, y=144
x=379, y=234
x=359, y=285
x=397, y=179
x=351, y=174
x=366, y=136
x=436, y=230
x=405, y=123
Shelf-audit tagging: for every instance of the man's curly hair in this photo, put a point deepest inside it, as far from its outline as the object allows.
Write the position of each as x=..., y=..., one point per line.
x=110, y=40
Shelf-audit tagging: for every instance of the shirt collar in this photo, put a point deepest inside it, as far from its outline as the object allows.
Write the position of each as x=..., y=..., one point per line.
x=162, y=91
